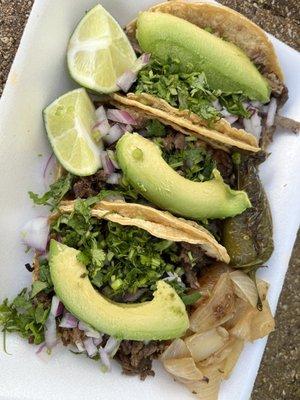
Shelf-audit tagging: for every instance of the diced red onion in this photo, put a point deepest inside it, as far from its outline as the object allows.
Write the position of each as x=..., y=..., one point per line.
x=104, y=358
x=122, y=116
x=126, y=80
x=232, y=119
x=107, y=165
x=142, y=61
x=253, y=125
x=112, y=157
x=49, y=171
x=35, y=233
x=57, y=307
x=114, y=178
x=100, y=114
x=126, y=128
x=90, y=347
x=102, y=127
x=50, y=332
x=114, y=134
x=255, y=104
x=80, y=346
x=41, y=348
x=225, y=113
x=271, y=112
x=97, y=341
x=88, y=330
x=68, y=321
x=217, y=105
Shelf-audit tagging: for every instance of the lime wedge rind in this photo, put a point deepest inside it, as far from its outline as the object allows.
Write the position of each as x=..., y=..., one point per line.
x=90, y=55
x=74, y=147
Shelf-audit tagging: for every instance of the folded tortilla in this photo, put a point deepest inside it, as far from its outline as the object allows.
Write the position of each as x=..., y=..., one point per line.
x=225, y=22
x=158, y=223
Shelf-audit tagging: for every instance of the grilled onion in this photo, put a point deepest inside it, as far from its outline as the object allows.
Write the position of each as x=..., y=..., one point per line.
x=217, y=309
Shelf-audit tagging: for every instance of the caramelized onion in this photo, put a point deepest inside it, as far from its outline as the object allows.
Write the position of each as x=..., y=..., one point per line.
x=183, y=369
x=217, y=309
x=203, y=345
x=244, y=287
x=177, y=349
x=208, y=388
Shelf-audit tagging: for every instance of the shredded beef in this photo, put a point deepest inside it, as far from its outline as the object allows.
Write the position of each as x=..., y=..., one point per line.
x=90, y=186
x=193, y=267
x=224, y=165
x=168, y=142
x=179, y=141
x=287, y=123
x=136, y=357
x=70, y=336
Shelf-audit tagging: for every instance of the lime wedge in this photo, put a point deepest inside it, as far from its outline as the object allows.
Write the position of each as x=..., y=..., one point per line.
x=69, y=121
x=99, y=52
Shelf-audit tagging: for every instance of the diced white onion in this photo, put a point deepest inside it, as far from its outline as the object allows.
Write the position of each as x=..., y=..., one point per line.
x=271, y=112
x=35, y=233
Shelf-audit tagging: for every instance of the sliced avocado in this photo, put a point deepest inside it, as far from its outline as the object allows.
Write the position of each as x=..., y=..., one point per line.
x=143, y=166
x=226, y=66
x=163, y=318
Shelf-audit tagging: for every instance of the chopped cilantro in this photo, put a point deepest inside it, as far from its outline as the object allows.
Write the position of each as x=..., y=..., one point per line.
x=24, y=316
x=119, y=259
x=187, y=90
x=196, y=163
x=55, y=194
x=190, y=299
x=154, y=128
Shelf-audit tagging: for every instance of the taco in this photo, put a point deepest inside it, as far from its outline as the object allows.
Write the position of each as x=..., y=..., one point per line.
x=211, y=71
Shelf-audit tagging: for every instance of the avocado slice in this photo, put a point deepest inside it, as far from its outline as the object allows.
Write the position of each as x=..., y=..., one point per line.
x=143, y=166
x=226, y=66
x=163, y=318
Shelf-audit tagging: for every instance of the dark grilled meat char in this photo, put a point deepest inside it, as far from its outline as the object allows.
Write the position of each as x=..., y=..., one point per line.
x=193, y=260
x=90, y=185
x=136, y=357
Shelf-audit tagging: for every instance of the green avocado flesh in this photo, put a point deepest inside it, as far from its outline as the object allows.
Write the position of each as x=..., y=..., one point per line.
x=163, y=318
x=143, y=166
x=226, y=67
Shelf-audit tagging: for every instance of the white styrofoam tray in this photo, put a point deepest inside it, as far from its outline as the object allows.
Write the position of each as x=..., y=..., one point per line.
x=37, y=77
